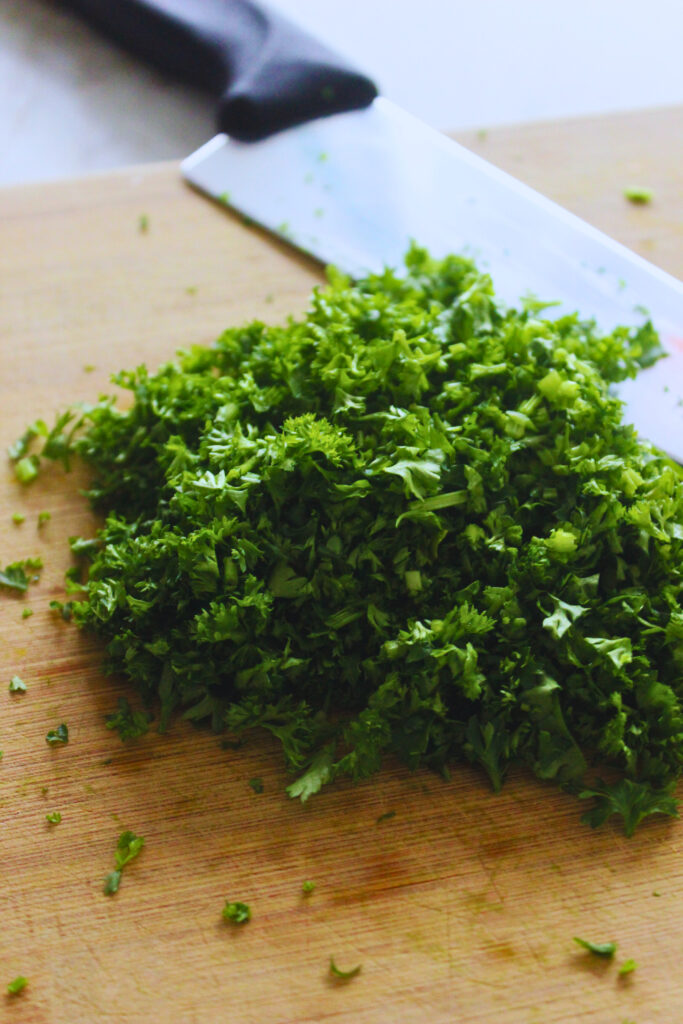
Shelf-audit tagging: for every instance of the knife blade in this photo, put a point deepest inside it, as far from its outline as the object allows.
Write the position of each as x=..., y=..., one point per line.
x=308, y=150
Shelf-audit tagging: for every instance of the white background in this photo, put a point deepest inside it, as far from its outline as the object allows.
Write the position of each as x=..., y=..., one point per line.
x=71, y=103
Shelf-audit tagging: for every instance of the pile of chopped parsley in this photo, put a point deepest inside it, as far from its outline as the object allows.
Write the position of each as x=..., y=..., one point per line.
x=412, y=522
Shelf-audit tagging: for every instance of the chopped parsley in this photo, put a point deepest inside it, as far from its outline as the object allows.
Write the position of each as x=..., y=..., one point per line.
x=112, y=882
x=129, y=724
x=143, y=223
x=606, y=949
x=307, y=887
x=128, y=847
x=15, y=576
x=26, y=613
x=17, y=685
x=256, y=784
x=343, y=975
x=58, y=735
x=18, y=518
x=638, y=195
x=411, y=523
x=238, y=913
x=17, y=985
x=44, y=517
x=53, y=818
x=628, y=967
x=26, y=469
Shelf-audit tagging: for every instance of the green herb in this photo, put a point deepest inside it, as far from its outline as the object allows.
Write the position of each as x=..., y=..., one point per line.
x=112, y=882
x=129, y=724
x=307, y=887
x=14, y=576
x=17, y=685
x=256, y=785
x=387, y=816
x=44, y=517
x=18, y=518
x=65, y=609
x=411, y=523
x=143, y=223
x=238, y=913
x=638, y=195
x=632, y=800
x=18, y=985
x=88, y=368
x=606, y=949
x=26, y=469
x=26, y=613
x=344, y=975
x=627, y=967
x=58, y=735
x=54, y=817
x=127, y=848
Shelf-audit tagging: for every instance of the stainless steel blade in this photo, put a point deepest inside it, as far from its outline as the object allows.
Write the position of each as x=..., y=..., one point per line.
x=355, y=189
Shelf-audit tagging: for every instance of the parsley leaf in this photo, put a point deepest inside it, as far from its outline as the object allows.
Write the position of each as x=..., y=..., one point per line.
x=14, y=576
x=17, y=985
x=17, y=685
x=127, y=848
x=632, y=800
x=58, y=735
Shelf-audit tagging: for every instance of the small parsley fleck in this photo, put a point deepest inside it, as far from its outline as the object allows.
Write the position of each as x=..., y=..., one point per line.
x=236, y=912
x=17, y=685
x=58, y=735
x=17, y=985
x=606, y=949
x=127, y=848
x=638, y=195
x=343, y=975
x=54, y=817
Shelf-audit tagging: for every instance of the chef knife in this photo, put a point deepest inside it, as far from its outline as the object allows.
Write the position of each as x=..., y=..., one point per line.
x=307, y=149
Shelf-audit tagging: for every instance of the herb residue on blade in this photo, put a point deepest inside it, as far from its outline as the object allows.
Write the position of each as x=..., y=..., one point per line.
x=410, y=522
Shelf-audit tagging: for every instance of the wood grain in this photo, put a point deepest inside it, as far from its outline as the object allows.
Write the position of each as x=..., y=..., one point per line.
x=460, y=907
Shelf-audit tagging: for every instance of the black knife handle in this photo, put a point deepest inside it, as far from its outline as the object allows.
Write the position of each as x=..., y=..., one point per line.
x=269, y=74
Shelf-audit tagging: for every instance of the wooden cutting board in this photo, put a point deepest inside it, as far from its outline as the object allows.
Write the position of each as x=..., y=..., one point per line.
x=461, y=906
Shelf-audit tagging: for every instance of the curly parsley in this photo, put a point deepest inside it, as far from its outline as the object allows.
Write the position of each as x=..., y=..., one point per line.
x=127, y=848
x=412, y=522
x=238, y=913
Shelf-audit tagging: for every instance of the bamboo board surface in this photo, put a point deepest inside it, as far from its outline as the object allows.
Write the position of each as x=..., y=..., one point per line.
x=461, y=907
